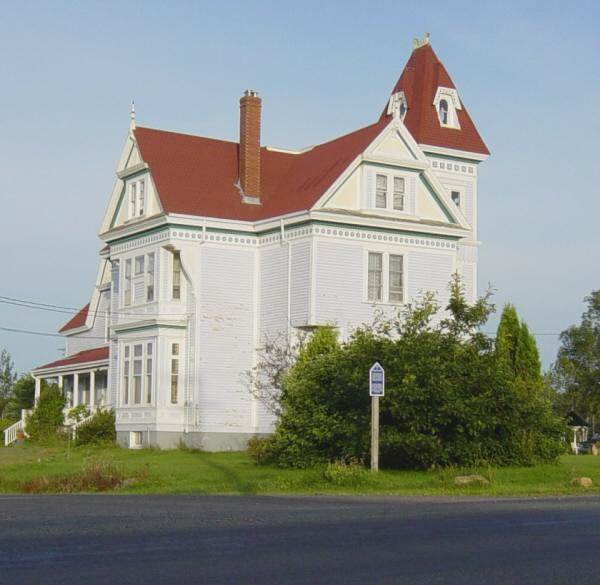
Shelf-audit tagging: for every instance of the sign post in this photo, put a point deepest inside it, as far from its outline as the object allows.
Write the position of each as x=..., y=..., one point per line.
x=376, y=389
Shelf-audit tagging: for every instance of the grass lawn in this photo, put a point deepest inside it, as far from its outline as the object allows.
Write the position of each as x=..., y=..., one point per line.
x=153, y=471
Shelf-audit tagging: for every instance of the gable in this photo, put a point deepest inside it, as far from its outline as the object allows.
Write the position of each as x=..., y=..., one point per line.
x=394, y=153
x=131, y=169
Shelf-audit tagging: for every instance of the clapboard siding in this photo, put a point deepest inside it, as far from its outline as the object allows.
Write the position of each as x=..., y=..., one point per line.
x=300, y=283
x=429, y=272
x=95, y=336
x=340, y=285
x=225, y=338
x=274, y=291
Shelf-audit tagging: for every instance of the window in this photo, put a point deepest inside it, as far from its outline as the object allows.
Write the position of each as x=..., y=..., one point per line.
x=385, y=279
x=149, y=373
x=141, y=198
x=176, y=276
x=399, y=193
x=443, y=112
x=390, y=192
x=150, y=278
x=127, y=284
x=132, y=199
x=402, y=109
x=138, y=353
x=174, y=373
x=126, y=375
x=381, y=192
x=455, y=197
x=135, y=439
x=396, y=288
x=375, y=283
x=137, y=198
x=138, y=362
x=139, y=265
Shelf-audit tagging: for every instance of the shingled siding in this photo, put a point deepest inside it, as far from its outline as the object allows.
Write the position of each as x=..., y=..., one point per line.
x=225, y=338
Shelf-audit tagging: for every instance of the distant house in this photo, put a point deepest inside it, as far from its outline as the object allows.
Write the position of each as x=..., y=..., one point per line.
x=580, y=429
x=211, y=246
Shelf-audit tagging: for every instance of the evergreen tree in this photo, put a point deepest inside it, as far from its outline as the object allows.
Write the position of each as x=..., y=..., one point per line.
x=516, y=348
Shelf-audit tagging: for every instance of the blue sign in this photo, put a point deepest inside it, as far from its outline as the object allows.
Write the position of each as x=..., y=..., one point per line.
x=377, y=380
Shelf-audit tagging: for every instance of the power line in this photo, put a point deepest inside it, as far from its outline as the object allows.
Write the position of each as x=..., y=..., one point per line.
x=27, y=304
x=45, y=334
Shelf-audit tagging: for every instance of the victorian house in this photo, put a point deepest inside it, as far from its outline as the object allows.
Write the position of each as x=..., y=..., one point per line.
x=211, y=246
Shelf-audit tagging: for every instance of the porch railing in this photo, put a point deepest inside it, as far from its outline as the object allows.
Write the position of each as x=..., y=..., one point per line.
x=80, y=423
x=11, y=433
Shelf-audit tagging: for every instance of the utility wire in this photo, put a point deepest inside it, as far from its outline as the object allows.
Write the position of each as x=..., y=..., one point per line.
x=45, y=334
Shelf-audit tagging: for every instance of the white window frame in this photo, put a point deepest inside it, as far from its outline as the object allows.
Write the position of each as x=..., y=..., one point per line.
x=179, y=286
x=450, y=96
x=127, y=349
x=137, y=198
x=175, y=357
x=391, y=176
x=385, y=254
x=149, y=278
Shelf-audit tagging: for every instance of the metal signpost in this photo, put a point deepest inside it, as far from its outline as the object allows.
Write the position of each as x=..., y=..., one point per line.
x=376, y=389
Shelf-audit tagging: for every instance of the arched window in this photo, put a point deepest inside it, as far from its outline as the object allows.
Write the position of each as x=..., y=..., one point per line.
x=443, y=112
x=402, y=109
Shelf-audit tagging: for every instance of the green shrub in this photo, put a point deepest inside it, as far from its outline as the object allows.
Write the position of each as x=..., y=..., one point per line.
x=449, y=399
x=47, y=419
x=100, y=429
x=5, y=423
x=257, y=449
x=78, y=413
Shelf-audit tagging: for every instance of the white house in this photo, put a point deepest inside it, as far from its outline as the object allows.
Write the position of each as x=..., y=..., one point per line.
x=212, y=245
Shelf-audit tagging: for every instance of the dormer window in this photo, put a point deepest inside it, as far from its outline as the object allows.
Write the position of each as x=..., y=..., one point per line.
x=447, y=104
x=443, y=112
x=137, y=198
x=397, y=105
x=390, y=192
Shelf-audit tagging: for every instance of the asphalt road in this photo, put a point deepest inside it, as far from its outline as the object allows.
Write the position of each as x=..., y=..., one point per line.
x=249, y=540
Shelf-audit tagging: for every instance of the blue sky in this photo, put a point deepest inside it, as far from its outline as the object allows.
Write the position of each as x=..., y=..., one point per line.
x=527, y=72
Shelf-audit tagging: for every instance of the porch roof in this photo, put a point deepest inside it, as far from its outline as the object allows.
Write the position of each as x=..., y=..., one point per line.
x=97, y=354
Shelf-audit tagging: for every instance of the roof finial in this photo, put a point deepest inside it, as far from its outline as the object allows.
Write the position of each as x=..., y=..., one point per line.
x=132, y=116
x=418, y=43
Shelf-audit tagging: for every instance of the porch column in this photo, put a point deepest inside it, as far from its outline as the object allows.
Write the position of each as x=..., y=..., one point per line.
x=92, y=390
x=38, y=387
x=60, y=383
x=75, y=390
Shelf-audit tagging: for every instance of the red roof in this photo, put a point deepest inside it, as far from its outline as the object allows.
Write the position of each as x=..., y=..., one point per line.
x=198, y=176
x=83, y=357
x=422, y=76
x=77, y=321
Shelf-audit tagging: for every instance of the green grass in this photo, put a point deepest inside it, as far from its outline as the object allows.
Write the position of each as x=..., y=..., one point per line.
x=178, y=471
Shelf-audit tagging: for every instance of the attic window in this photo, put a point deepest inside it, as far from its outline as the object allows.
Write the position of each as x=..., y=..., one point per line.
x=447, y=104
x=443, y=112
x=137, y=199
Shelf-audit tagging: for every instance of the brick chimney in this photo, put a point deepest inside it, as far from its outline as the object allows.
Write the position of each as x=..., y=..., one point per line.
x=249, y=163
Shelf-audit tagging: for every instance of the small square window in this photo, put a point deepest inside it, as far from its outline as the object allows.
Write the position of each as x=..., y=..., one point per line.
x=455, y=197
x=175, y=349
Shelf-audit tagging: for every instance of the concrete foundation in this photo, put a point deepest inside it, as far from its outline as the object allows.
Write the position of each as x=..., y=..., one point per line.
x=171, y=440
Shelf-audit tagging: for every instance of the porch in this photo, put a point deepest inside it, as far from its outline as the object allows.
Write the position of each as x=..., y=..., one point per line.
x=81, y=377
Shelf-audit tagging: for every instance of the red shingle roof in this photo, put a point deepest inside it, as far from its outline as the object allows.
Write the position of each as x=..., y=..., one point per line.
x=422, y=76
x=77, y=321
x=83, y=357
x=197, y=176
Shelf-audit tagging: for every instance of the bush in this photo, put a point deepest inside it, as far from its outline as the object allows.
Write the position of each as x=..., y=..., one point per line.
x=5, y=423
x=449, y=399
x=100, y=429
x=78, y=413
x=47, y=419
x=257, y=449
